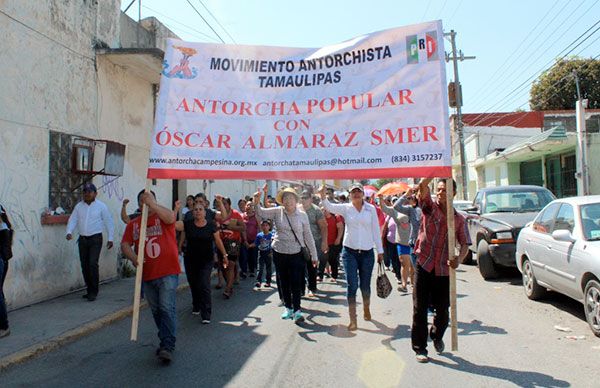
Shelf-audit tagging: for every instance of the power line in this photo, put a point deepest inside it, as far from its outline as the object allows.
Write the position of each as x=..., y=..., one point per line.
x=532, y=55
x=216, y=20
x=551, y=86
x=205, y=21
x=524, y=83
x=515, y=58
x=454, y=13
x=181, y=24
x=511, y=55
x=426, y=9
x=47, y=37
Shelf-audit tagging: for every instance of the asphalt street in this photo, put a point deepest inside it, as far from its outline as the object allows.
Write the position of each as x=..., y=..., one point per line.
x=505, y=340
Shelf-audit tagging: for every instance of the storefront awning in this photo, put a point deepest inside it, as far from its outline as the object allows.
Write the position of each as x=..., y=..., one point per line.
x=548, y=142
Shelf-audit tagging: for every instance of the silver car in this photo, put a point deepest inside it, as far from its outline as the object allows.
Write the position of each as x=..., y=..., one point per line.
x=560, y=250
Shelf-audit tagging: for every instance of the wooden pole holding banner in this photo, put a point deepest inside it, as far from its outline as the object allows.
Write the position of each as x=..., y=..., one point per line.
x=140, y=269
x=451, y=254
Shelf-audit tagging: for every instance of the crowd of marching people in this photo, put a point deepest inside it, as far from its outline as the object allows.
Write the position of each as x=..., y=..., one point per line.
x=291, y=242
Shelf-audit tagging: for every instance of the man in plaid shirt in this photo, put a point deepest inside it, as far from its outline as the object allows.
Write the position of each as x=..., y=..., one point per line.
x=431, y=274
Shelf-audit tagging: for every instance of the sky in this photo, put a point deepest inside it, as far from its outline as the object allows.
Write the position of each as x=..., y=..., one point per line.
x=513, y=41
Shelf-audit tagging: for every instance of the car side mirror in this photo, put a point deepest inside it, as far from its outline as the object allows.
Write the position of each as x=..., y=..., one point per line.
x=563, y=235
x=472, y=210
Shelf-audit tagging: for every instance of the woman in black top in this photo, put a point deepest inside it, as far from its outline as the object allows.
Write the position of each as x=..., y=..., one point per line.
x=198, y=258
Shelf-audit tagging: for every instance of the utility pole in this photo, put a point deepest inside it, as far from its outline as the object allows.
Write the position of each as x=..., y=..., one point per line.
x=458, y=125
x=583, y=172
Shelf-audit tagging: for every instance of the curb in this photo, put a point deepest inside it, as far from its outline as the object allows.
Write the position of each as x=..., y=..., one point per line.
x=70, y=335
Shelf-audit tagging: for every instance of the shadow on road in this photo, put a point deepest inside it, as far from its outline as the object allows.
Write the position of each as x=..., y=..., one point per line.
x=476, y=327
x=520, y=378
x=564, y=303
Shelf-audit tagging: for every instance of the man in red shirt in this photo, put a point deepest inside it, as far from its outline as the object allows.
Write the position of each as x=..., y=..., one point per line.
x=431, y=274
x=161, y=268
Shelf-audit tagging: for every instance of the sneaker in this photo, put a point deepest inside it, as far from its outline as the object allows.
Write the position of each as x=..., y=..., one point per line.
x=4, y=333
x=205, y=321
x=319, y=279
x=402, y=288
x=298, y=318
x=195, y=312
x=333, y=280
x=268, y=285
x=311, y=294
x=422, y=358
x=439, y=346
x=91, y=298
x=257, y=285
x=287, y=314
x=165, y=356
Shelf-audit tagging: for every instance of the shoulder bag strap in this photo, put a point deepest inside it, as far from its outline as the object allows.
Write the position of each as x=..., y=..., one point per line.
x=292, y=228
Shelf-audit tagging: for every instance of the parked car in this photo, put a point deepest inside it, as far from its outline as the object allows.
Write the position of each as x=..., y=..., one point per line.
x=494, y=221
x=461, y=204
x=560, y=250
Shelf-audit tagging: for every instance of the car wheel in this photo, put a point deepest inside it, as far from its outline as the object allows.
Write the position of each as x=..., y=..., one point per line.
x=532, y=289
x=487, y=267
x=468, y=258
x=592, y=306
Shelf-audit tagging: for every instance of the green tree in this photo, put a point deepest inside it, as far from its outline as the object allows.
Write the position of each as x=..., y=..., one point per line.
x=364, y=182
x=555, y=88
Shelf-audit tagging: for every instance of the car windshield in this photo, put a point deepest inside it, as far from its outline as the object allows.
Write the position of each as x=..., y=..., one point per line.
x=590, y=221
x=517, y=201
x=460, y=205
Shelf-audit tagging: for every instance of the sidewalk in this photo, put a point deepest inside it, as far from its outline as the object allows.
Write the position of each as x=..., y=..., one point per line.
x=45, y=326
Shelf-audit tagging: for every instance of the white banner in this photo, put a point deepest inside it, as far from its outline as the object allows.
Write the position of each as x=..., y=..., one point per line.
x=372, y=107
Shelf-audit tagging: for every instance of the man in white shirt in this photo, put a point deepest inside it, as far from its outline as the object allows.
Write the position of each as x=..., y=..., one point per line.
x=89, y=217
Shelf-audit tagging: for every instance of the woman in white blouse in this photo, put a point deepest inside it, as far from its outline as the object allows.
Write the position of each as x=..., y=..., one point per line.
x=361, y=235
x=292, y=233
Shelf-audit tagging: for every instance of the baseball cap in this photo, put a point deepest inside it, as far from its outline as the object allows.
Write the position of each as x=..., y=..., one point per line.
x=89, y=187
x=356, y=186
x=305, y=194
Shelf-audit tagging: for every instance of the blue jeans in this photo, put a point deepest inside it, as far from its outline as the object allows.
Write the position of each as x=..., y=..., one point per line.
x=3, y=311
x=359, y=268
x=161, y=295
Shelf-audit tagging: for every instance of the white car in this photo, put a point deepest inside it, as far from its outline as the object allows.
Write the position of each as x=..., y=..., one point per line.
x=560, y=250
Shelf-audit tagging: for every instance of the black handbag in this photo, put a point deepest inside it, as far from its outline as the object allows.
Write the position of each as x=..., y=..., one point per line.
x=384, y=287
x=303, y=250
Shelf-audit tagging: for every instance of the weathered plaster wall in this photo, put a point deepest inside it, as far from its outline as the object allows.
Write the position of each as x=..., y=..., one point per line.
x=51, y=81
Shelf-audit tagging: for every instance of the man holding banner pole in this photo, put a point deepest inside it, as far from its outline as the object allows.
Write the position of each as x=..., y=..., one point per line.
x=160, y=268
x=432, y=282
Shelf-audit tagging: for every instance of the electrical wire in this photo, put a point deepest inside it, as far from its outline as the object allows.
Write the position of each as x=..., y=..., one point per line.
x=181, y=24
x=216, y=20
x=525, y=83
x=512, y=55
x=205, y=21
x=47, y=37
x=531, y=54
x=518, y=120
x=426, y=9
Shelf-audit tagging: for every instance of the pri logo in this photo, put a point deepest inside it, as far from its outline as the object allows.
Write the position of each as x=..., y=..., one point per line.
x=424, y=46
x=182, y=70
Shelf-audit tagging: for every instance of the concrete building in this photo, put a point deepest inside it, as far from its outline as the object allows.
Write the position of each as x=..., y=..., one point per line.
x=75, y=73
x=537, y=148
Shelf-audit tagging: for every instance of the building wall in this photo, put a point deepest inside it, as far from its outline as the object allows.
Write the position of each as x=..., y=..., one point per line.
x=594, y=162
x=481, y=141
x=54, y=82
